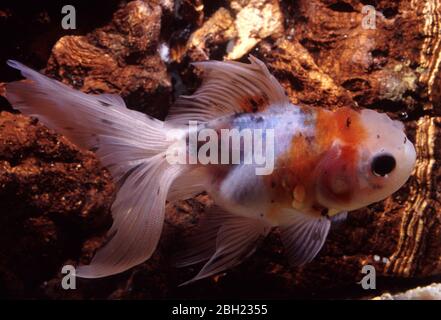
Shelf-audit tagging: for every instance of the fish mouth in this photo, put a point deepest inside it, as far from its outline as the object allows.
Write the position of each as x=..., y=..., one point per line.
x=411, y=154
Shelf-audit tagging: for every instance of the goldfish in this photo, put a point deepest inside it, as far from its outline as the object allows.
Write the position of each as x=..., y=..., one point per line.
x=319, y=164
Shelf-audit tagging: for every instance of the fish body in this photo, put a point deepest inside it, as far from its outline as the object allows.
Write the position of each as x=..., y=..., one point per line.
x=314, y=164
x=315, y=150
x=237, y=187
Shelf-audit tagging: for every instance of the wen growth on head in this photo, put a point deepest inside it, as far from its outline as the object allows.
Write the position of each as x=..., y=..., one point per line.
x=266, y=163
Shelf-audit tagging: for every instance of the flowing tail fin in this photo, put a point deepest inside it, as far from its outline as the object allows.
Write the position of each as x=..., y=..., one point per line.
x=130, y=144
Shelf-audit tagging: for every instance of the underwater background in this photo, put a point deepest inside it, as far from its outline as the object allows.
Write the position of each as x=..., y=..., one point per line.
x=55, y=198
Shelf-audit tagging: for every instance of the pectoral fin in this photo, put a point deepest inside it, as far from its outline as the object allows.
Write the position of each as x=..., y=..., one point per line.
x=339, y=218
x=225, y=240
x=303, y=236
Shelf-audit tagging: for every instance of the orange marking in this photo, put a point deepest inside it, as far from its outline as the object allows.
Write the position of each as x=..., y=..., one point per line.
x=299, y=193
x=343, y=124
x=298, y=164
x=254, y=103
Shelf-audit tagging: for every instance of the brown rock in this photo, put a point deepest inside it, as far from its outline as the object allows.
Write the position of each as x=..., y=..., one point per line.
x=255, y=20
x=231, y=33
x=392, y=66
x=215, y=33
x=120, y=58
x=304, y=82
x=53, y=197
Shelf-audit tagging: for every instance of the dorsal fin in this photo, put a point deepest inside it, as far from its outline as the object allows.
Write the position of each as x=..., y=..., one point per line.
x=229, y=87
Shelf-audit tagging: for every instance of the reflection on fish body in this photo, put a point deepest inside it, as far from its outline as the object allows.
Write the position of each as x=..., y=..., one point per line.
x=325, y=164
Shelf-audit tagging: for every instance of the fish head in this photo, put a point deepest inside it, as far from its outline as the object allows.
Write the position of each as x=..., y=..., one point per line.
x=355, y=173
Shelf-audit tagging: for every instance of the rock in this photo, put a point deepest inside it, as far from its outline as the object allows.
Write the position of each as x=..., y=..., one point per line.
x=212, y=36
x=304, y=82
x=29, y=30
x=430, y=292
x=255, y=20
x=54, y=197
x=190, y=11
x=377, y=65
x=121, y=57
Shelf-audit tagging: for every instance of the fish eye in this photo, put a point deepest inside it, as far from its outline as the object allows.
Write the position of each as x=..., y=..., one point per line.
x=383, y=164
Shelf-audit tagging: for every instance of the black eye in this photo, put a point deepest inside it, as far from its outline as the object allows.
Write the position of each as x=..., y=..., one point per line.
x=383, y=164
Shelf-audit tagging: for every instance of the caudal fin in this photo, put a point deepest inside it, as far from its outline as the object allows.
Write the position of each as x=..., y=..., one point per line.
x=130, y=144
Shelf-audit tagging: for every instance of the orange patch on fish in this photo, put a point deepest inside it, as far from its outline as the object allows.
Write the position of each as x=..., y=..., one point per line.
x=343, y=124
x=254, y=104
x=290, y=180
x=294, y=178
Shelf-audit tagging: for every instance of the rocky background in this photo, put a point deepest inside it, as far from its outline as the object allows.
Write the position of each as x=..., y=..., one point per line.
x=55, y=198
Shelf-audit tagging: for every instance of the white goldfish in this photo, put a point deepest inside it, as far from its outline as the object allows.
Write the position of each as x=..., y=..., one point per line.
x=325, y=164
